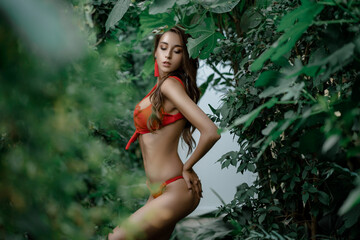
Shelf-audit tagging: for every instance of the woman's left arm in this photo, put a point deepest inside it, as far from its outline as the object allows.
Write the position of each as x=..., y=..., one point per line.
x=176, y=94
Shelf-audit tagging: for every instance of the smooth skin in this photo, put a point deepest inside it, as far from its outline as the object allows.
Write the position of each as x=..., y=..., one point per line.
x=157, y=218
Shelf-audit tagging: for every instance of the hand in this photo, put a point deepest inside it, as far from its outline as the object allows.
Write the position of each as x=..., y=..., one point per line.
x=193, y=182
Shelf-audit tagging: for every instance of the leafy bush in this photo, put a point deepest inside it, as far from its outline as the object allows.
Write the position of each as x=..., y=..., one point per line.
x=297, y=119
x=65, y=115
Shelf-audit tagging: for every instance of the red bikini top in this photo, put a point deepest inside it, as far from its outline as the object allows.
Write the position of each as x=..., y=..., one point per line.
x=141, y=117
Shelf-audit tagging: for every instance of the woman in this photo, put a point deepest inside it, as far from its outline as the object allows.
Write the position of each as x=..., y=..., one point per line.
x=166, y=113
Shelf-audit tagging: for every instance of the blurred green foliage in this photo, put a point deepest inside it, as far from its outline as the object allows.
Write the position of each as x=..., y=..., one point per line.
x=66, y=102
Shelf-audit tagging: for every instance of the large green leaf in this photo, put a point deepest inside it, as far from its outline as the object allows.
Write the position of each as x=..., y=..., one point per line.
x=161, y=6
x=117, y=13
x=268, y=78
x=251, y=18
x=205, y=85
x=150, y=22
x=218, y=6
x=204, y=39
x=289, y=38
x=305, y=13
x=283, y=45
x=303, y=16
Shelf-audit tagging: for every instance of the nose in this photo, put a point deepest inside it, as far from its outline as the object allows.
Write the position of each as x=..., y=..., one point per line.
x=168, y=55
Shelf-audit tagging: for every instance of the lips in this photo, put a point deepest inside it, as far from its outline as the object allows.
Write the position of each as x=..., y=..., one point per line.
x=166, y=64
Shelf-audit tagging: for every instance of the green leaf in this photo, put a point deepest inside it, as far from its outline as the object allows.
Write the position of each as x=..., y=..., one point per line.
x=328, y=65
x=275, y=208
x=262, y=218
x=259, y=62
x=304, y=16
x=251, y=18
x=328, y=2
x=304, y=174
x=182, y=2
x=218, y=6
x=305, y=13
x=285, y=86
x=311, y=189
x=278, y=235
x=268, y=78
x=218, y=196
x=205, y=85
x=204, y=39
x=213, y=110
x=305, y=197
x=249, y=118
x=288, y=40
x=293, y=92
x=324, y=198
x=160, y=6
x=330, y=142
x=338, y=59
x=251, y=167
x=117, y=13
x=266, y=131
x=150, y=22
x=353, y=152
x=351, y=218
x=310, y=141
x=351, y=201
x=229, y=158
x=281, y=84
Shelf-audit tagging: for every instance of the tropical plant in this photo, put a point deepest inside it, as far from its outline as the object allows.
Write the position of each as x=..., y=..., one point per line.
x=295, y=108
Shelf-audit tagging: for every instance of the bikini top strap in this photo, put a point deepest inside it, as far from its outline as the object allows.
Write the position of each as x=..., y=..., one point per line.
x=153, y=89
x=178, y=80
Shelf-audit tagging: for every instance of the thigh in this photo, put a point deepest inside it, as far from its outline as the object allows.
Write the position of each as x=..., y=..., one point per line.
x=157, y=218
x=175, y=203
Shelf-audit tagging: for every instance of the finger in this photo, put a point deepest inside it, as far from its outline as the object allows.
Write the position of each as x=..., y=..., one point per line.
x=197, y=187
x=200, y=188
x=188, y=183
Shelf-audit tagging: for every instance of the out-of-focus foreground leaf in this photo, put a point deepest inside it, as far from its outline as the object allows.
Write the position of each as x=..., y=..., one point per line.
x=42, y=24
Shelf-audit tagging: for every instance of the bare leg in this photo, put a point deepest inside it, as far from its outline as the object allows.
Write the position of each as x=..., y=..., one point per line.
x=157, y=218
x=120, y=233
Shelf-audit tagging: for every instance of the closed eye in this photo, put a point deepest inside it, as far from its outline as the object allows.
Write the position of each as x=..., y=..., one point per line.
x=178, y=51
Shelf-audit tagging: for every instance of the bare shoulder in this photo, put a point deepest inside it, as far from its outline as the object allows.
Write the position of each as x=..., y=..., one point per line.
x=170, y=85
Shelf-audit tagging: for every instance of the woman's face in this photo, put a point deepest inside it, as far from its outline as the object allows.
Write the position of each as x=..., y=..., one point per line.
x=169, y=53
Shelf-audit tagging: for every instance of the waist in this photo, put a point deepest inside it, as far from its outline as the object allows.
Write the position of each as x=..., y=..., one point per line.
x=163, y=169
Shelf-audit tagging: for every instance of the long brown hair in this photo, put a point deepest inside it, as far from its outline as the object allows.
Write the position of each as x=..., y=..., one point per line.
x=187, y=73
